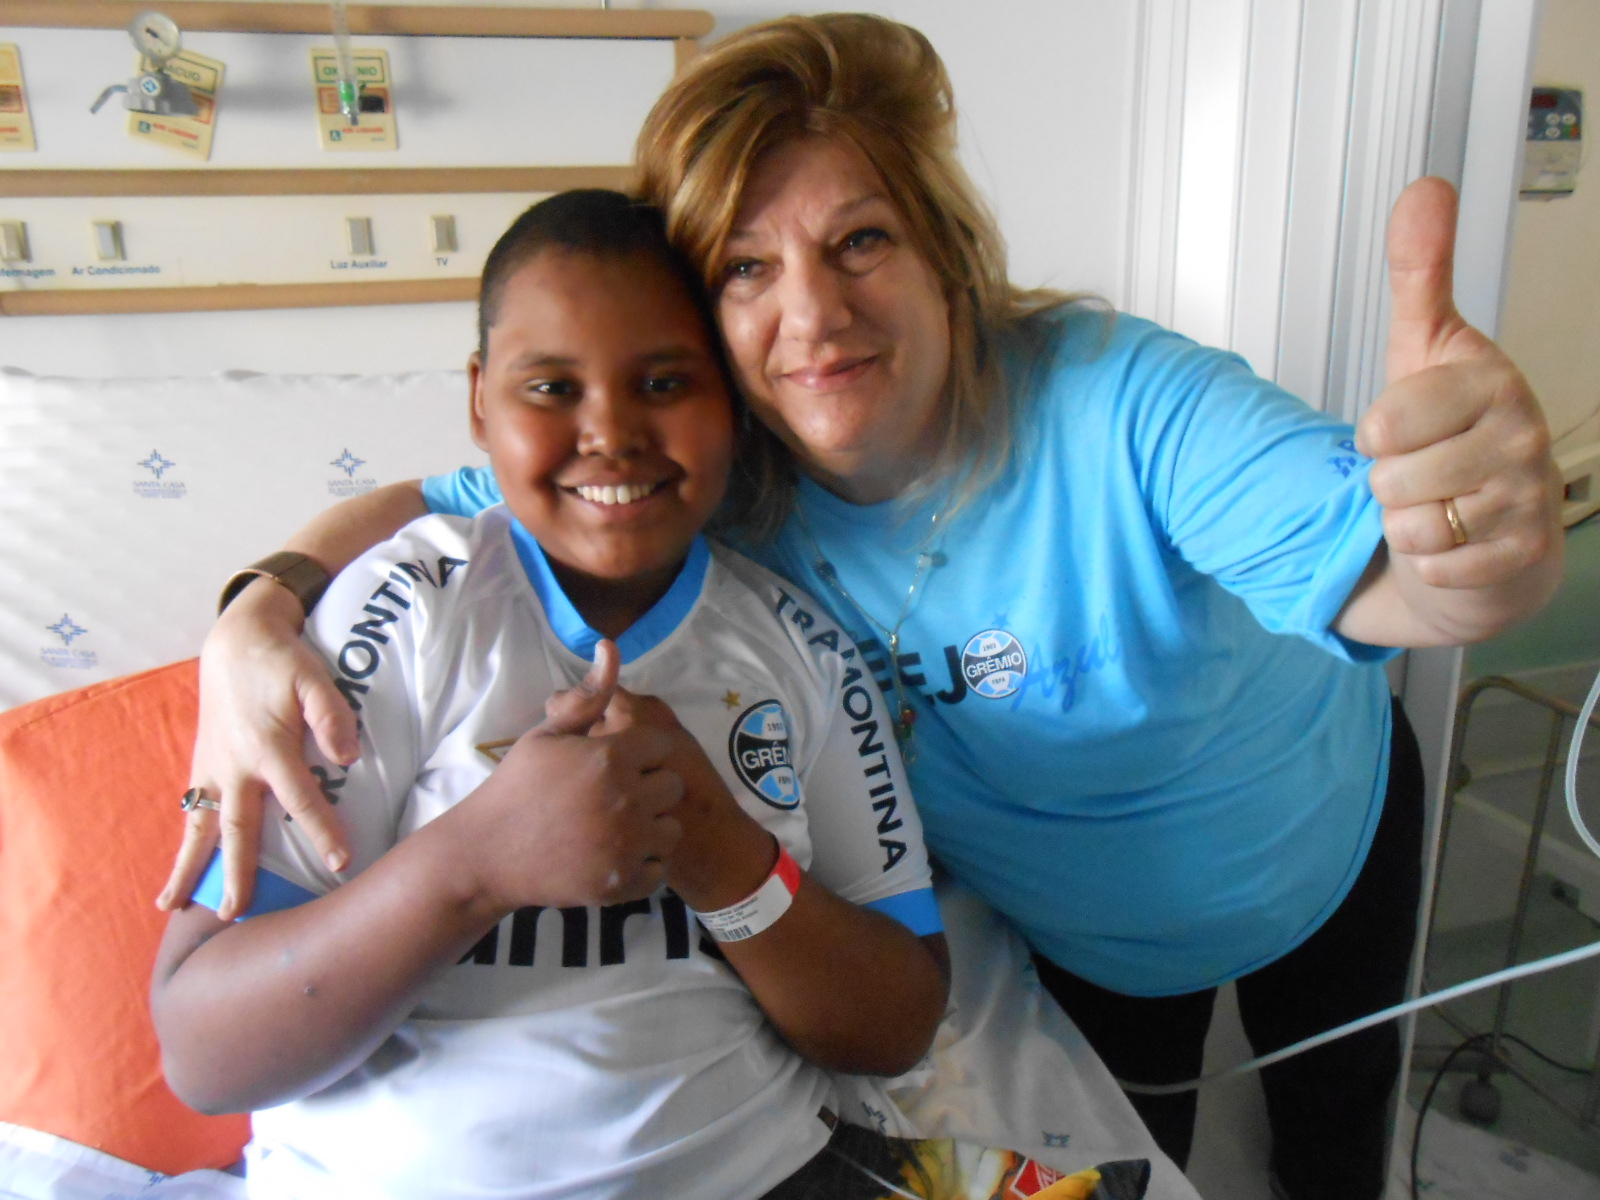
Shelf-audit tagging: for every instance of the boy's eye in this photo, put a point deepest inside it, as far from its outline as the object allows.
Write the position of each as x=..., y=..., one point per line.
x=553, y=388
x=665, y=385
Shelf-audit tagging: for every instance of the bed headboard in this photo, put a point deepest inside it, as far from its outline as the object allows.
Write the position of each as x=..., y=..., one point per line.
x=125, y=503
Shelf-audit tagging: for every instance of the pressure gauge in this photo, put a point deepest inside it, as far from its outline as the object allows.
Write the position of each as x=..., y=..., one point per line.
x=156, y=36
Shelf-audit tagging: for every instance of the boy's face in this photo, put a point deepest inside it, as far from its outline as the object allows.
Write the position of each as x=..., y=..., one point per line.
x=605, y=417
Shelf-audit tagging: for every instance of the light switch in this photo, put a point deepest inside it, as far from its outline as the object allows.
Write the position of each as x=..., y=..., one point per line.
x=13, y=241
x=358, y=233
x=108, y=241
x=444, y=235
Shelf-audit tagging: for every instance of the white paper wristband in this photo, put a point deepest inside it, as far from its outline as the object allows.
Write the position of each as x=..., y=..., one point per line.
x=760, y=908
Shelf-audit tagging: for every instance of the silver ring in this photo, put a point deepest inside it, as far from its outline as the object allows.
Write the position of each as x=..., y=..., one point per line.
x=1458, y=531
x=196, y=798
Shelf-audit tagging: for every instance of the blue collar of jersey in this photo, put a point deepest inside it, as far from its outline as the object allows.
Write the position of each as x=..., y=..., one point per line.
x=645, y=634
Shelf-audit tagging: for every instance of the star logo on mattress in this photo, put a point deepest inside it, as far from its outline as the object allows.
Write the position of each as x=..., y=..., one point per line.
x=348, y=463
x=157, y=465
x=67, y=629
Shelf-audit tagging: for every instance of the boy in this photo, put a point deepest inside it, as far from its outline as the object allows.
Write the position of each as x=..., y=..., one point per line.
x=506, y=993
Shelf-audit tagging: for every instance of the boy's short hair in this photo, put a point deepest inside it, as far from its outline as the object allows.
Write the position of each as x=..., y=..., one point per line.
x=593, y=221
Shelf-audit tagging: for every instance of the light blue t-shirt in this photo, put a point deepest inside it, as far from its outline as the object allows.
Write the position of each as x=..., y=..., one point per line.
x=1136, y=735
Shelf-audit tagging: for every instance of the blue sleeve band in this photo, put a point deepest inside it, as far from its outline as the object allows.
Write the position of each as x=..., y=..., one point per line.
x=273, y=892
x=462, y=493
x=918, y=911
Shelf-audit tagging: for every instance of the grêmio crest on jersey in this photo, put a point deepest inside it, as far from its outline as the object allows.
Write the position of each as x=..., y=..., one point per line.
x=759, y=748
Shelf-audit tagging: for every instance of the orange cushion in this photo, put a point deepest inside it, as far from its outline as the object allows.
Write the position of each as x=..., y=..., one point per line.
x=89, y=820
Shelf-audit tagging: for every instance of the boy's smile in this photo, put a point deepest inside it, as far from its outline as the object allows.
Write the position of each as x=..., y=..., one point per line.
x=608, y=422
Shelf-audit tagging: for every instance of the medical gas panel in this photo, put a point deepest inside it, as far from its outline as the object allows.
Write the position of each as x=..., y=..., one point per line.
x=155, y=164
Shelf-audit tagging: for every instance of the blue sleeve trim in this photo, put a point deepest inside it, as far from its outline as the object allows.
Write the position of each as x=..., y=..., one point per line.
x=463, y=493
x=918, y=911
x=273, y=893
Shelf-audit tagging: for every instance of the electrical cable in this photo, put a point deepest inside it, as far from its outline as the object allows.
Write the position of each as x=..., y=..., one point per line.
x=1548, y=1059
x=1427, y=1099
x=1557, y=438
x=1543, y=1057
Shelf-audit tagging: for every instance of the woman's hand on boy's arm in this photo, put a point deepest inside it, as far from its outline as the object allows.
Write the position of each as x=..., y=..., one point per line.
x=260, y=689
x=262, y=1011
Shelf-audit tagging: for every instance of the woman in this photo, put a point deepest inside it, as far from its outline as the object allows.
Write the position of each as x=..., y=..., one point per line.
x=1129, y=601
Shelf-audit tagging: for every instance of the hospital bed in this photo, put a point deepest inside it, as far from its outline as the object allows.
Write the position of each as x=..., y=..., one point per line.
x=123, y=503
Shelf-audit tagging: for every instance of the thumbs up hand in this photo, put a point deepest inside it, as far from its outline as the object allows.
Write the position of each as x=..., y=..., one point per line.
x=575, y=813
x=1470, y=495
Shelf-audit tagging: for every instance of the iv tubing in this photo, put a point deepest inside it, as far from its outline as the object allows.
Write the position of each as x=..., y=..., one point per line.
x=1440, y=997
x=1399, y=1010
x=1572, y=768
x=349, y=87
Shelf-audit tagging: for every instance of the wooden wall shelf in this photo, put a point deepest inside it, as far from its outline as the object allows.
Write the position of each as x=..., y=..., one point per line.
x=218, y=16
x=307, y=181
x=682, y=27
x=233, y=297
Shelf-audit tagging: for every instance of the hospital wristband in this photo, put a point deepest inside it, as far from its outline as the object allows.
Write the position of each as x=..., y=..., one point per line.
x=761, y=908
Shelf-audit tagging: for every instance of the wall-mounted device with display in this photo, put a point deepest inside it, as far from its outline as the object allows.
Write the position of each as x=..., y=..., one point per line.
x=1554, y=147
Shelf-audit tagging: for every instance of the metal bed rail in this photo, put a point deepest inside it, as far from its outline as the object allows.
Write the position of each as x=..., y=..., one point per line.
x=1493, y=1057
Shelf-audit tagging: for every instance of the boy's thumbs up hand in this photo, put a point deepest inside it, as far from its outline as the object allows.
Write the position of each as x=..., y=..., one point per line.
x=1457, y=423
x=576, y=812
x=577, y=709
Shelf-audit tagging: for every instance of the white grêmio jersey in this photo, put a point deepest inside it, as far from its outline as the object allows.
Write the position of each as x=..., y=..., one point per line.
x=584, y=1052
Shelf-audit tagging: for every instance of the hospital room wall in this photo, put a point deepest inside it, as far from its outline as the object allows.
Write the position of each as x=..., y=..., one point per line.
x=1552, y=305
x=1046, y=91
x=1552, y=309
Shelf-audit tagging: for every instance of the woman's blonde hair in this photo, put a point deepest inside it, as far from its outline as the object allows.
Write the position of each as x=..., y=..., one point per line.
x=880, y=85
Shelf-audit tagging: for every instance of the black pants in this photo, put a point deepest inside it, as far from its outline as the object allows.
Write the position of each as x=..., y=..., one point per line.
x=1328, y=1108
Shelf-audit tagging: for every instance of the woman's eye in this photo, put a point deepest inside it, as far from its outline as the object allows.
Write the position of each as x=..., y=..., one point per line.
x=860, y=240
x=740, y=270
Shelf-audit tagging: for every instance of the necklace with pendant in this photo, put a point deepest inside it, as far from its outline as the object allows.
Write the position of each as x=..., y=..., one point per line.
x=905, y=717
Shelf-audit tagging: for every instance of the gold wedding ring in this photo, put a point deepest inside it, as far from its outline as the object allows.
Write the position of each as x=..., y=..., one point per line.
x=1458, y=531
x=196, y=798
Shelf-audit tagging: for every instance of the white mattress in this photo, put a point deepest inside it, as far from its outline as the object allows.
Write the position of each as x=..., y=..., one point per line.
x=125, y=503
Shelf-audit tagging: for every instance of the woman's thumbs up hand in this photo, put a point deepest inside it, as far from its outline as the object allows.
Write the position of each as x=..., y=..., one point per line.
x=1462, y=468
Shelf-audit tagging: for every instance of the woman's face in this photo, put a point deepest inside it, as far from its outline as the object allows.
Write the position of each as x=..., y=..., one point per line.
x=836, y=325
